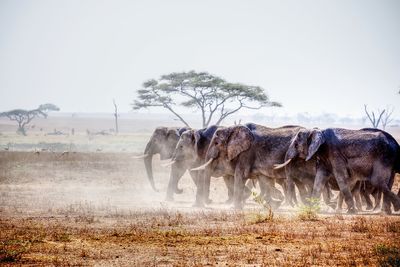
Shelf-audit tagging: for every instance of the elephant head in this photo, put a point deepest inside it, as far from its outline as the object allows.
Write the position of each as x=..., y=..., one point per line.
x=186, y=148
x=303, y=145
x=163, y=142
x=229, y=143
x=225, y=146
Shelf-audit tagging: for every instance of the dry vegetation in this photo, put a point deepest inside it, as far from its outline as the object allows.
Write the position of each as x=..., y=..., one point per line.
x=98, y=209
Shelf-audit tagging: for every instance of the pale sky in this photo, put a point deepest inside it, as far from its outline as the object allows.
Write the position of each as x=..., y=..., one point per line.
x=312, y=56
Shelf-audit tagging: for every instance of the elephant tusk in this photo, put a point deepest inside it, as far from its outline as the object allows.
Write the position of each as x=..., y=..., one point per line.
x=141, y=156
x=279, y=166
x=202, y=167
x=168, y=163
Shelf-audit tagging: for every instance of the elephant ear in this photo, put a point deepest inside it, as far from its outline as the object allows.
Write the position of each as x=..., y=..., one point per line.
x=316, y=140
x=239, y=140
x=182, y=130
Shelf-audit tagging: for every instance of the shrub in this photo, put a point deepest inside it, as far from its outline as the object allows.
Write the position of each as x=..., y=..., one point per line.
x=265, y=214
x=309, y=212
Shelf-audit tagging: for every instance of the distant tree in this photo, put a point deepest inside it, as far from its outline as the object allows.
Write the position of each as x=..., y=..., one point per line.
x=215, y=98
x=116, y=116
x=387, y=117
x=375, y=120
x=24, y=117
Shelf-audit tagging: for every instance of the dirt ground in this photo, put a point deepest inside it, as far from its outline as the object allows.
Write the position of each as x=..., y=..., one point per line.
x=98, y=209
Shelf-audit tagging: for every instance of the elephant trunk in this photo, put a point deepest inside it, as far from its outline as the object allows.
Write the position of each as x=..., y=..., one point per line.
x=148, y=164
x=289, y=180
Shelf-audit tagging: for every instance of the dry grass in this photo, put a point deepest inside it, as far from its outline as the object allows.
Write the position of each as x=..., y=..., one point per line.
x=97, y=209
x=156, y=238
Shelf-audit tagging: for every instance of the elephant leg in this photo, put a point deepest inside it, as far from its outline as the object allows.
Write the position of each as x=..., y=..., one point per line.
x=378, y=199
x=239, y=185
x=201, y=177
x=357, y=197
x=289, y=190
x=206, y=191
x=326, y=195
x=342, y=177
x=389, y=197
x=277, y=194
x=176, y=174
x=339, y=204
x=267, y=187
x=320, y=180
x=249, y=185
x=228, y=179
x=304, y=194
x=368, y=201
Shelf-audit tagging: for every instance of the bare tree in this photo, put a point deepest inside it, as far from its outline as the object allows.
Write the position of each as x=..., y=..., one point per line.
x=24, y=117
x=387, y=117
x=215, y=98
x=375, y=120
x=116, y=116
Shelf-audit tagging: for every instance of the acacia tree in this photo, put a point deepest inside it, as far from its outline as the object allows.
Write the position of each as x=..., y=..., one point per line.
x=24, y=117
x=215, y=98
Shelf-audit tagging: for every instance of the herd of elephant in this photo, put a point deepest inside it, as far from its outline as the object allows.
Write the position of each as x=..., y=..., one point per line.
x=357, y=163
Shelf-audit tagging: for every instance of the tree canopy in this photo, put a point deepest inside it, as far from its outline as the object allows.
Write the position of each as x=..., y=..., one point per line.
x=216, y=98
x=23, y=117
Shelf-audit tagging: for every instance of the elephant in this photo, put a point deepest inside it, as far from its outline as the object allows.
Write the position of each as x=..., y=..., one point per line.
x=350, y=156
x=163, y=141
x=248, y=151
x=190, y=153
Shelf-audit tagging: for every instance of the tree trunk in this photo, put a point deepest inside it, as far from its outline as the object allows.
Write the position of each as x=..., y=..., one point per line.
x=116, y=116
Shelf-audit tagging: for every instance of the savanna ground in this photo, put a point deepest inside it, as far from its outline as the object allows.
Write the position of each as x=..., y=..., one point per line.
x=92, y=205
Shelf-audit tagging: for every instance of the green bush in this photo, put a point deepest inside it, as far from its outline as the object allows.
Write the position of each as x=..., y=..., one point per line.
x=309, y=212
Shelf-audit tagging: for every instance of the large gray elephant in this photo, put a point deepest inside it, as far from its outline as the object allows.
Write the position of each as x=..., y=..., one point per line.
x=190, y=153
x=163, y=141
x=247, y=152
x=350, y=156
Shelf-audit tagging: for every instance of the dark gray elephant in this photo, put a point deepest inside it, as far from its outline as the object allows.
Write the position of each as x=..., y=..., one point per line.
x=350, y=156
x=248, y=152
x=163, y=141
x=190, y=153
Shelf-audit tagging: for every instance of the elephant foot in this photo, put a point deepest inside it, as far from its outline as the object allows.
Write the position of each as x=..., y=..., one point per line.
x=352, y=210
x=396, y=207
x=198, y=204
x=208, y=201
x=288, y=203
x=376, y=208
x=387, y=211
x=238, y=206
x=369, y=207
x=229, y=201
x=169, y=198
x=332, y=205
x=275, y=204
x=178, y=191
